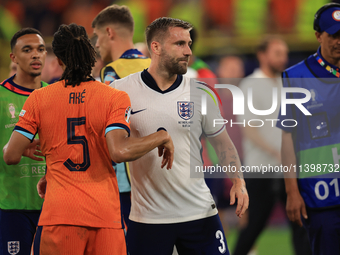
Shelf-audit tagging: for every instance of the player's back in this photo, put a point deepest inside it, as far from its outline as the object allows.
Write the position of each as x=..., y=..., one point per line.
x=81, y=183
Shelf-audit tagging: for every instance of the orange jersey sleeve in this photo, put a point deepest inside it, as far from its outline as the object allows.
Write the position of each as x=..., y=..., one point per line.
x=71, y=122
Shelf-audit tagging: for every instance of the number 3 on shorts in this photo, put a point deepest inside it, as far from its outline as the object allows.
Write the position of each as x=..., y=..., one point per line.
x=219, y=235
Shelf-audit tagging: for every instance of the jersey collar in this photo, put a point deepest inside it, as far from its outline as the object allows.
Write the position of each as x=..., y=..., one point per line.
x=132, y=53
x=151, y=83
x=12, y=86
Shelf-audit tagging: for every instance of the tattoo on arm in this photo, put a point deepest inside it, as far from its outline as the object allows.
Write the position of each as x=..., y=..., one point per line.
x=232, y=163
x=223, y=157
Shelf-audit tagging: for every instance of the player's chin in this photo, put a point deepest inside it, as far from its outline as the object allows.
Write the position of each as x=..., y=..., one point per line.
x=183, y=69
x=35, y=74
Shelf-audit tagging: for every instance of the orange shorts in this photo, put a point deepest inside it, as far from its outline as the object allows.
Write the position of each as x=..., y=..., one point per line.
x=76, y=240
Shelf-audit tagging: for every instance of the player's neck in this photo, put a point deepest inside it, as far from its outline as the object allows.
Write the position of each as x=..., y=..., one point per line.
x=120, y=48
x=162, y=77
x=26, y=80
x=267, y=71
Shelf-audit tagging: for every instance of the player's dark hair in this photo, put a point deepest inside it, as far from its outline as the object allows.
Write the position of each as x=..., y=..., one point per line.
x=159, y=28
x=265, y=42
x=72, y=46
x=22, y=32
x=114, y=14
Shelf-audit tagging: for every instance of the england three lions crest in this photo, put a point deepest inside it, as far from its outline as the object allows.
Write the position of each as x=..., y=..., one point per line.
x=185, y=109
x=13, y=247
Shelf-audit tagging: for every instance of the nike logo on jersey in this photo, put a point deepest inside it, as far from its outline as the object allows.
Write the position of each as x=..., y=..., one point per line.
x=134, y=112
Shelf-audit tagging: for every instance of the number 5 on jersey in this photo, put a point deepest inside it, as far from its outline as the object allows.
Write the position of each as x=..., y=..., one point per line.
x=73, y=139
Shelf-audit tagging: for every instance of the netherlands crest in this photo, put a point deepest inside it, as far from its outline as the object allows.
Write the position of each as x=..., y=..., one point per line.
x=13, y=247
x=185, y=109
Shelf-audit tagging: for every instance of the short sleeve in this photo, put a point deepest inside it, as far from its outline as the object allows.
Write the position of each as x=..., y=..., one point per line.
x=213, y=113
x=29, y=117
x=119, y=113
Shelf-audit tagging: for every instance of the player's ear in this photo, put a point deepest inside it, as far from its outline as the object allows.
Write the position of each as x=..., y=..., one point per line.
x=155, y=48
x=111, y=33
x=318, y=36
x=12, y=56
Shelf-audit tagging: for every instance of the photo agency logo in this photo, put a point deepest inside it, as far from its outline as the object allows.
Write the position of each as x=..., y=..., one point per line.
x=242, y=99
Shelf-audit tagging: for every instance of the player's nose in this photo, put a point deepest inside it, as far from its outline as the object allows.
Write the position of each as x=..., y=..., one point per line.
x=187, y=51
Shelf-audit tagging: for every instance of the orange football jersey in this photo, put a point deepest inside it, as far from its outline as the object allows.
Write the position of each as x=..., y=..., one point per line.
x=71, y=122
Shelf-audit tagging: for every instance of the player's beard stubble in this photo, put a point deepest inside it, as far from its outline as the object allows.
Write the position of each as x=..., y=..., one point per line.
x=173, y=65
x=35, y=74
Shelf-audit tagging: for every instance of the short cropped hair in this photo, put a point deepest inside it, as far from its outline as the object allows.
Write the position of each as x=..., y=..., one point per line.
x=114, y=14
x=265, y=42
x=159, y=28
x=22, y=32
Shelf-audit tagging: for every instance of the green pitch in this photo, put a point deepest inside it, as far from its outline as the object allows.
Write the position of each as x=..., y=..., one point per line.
x=272, y=241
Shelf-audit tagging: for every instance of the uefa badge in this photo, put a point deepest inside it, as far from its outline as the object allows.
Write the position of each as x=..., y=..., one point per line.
x=22, y=113
x=127, y=114
x=13, y=247
x=185, y=109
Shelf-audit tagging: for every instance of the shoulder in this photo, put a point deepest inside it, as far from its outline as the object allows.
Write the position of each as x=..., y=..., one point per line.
x=303, y=68
x=297, y=67
x=103, y=92
x=204, y=88
x=127, y=81
x=46, y=88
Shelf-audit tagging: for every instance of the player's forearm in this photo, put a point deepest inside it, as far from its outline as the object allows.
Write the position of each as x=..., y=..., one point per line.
x=228, y=156
x=14, y=149
x=132, y=148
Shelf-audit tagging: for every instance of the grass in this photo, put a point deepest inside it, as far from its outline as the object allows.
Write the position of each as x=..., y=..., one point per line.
x=272, y=241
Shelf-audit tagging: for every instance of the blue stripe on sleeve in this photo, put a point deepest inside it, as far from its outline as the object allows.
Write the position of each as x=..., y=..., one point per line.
x=28, y=135
x=117, y=126
x=108, y=129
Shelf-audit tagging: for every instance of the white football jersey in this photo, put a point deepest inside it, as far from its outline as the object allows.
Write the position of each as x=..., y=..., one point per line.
x=170, y=196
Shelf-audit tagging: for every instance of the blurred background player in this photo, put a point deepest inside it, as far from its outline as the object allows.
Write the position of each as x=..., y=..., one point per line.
x=113, y=27
x=313, y=196
x=261, y=147
x=52, y=71
x=82, y=197
x=19, y=202
x=170, y=208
